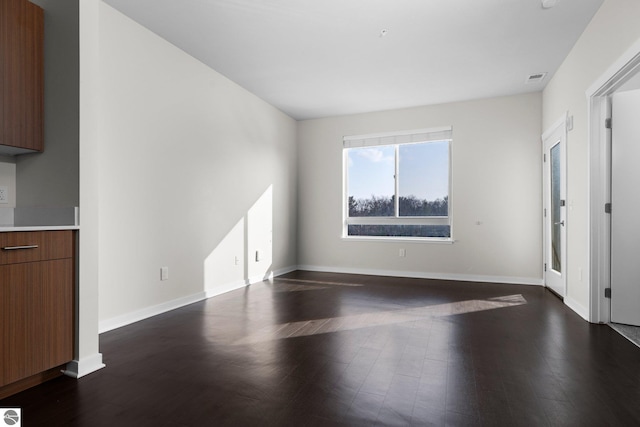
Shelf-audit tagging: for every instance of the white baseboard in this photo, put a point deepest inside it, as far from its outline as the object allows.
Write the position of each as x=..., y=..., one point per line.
x=256, y=279
x=577, y=307
x=219, y=290
x=223, y=289
x=84, y=366
x=285, y=270
x=270, y=275
x=138, y=315
x=145, y=313
x=427, y=275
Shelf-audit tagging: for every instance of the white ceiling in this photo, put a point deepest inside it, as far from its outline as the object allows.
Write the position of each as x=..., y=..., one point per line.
x=318, y=58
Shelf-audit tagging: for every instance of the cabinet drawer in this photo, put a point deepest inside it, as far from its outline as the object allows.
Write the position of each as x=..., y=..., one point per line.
x=29, y=246
x=17, y=247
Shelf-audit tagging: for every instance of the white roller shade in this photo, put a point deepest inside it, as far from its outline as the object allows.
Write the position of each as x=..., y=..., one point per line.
x=402, y=137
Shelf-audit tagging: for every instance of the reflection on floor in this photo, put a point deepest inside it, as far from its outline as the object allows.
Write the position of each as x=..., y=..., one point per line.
x=322, y=349
x=632, y=333
x=419, y=317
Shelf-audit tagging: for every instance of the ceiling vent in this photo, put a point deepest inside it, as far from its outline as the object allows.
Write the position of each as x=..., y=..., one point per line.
x=535, y=78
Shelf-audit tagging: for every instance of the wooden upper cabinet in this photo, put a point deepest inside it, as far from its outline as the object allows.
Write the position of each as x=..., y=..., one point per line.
x=21, y=77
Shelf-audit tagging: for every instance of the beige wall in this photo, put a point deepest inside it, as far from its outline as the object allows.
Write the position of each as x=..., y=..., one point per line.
x=195, y=172
x=611, y=32
x=496, y=155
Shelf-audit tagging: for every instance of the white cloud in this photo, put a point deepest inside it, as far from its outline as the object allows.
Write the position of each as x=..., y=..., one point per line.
x=374, y=155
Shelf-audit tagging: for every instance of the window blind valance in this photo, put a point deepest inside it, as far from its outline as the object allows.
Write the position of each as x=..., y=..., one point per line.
x=402, y=137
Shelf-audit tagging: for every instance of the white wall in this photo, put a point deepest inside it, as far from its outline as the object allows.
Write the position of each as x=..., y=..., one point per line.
x=194, y=173
x=611, y=32
x=496, y=155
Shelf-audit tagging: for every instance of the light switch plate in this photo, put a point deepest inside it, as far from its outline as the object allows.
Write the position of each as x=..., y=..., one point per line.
x=4, y=194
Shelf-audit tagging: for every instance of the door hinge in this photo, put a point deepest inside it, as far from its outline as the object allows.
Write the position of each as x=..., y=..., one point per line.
x=545, y=266
x=607, y=292
x=607, y=208
x=607, y=123
x=544, y=158
x=545, y=212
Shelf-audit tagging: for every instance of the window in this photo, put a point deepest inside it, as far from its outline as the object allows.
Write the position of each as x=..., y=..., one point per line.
x=398, y=185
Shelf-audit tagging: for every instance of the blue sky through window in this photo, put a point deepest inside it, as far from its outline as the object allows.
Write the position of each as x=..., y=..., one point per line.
x=371, y=171
x=424, y=171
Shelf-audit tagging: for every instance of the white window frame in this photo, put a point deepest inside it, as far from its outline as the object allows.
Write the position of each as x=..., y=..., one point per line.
x=396, y=139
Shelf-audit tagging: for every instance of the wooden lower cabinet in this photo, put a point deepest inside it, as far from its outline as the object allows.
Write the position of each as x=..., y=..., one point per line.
x=36, y=315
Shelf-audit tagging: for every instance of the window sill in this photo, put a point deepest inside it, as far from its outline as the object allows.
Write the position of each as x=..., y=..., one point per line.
x=430, y=240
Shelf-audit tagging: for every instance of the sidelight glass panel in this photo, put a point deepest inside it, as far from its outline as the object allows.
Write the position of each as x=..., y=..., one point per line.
x=555, y=210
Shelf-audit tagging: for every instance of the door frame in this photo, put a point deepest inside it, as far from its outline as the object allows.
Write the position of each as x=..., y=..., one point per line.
x=599, y=184
x=557, y=131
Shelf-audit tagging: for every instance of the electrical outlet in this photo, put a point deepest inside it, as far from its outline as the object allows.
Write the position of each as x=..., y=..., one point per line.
x=164, y=273
x=237, y=261
x=4, y=194
x=258, y=255
x=402, y=253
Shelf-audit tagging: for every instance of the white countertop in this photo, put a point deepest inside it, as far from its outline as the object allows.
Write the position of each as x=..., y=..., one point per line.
x=7, y=228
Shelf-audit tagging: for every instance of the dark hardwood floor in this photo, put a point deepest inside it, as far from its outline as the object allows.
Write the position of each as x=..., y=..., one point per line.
x=319, y=349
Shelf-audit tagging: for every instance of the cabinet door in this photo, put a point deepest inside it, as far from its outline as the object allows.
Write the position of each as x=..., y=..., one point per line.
x=37, y=318
x=21, y=74
x=19, y=284
x=55, y=326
